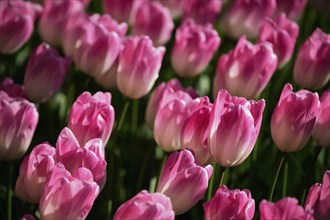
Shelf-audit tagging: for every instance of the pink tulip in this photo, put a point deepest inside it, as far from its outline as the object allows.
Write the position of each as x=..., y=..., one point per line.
x=183, y=180
x=282, y=34
x=92, y=117
x=321, y=131
x=234, y=127
x=35, y=172
x=202, y=12
x=292, y=8
x=162, y=90
x=244, y=17
x=230, y=204
x=139, y=65
x=154, y=20
x=294, y=118
x=312, y=66
x=74, y=156
x=109, y=79
x=45, y=73
x=175, y=6
x=318, y=198
x=245, y=70
x=193, y=48
x=18, y=121
x=286, y=208
x=12, y=89
x=68, y=196
x=28, y=217
x=146, y=206
x=16, y=24
x=194, y=131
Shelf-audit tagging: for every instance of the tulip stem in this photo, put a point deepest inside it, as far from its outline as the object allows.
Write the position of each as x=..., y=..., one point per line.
x=285, y=179
x=275, y=176
x=222, y=174
x=210, y=189
x=135, y=114
x=123, y=114
x=160, y=172
x=9, y=197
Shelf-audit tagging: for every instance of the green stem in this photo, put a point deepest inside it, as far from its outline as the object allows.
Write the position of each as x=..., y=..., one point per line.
x=285, y=179
x=160, y=171
x=222, y=174
x=9, y=196
x=135, y=115
x=122, y=117
x=210, y=189
x=275, y=176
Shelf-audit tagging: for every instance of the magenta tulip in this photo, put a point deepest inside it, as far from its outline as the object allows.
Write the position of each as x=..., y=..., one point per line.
x=202, y=12
x=12, y=89
x=321, y=132
x=292, y=8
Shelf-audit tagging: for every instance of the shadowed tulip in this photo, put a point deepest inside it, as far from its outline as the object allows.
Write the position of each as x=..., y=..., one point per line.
x=12, y=89
x=202, y=12
x=292, y=8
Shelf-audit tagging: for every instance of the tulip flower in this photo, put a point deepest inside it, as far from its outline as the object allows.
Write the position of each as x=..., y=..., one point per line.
x=282, y=34
x=312, y=66
x=193, y=48
x=293, y=8
x=16, y=24
x=68, y=196
x=234, y=127
x=154, y=20
x=12, y=89
x=175, y=6
x=35, y=172
x=321, y=131
x=294, y=118
x=158, y=95
x=286, y=208
x=109, y=79
x=245, y=70
x=183, y=180
x=28, y=217
x=45, y=73
x=92, y=117
x=318, y=198
x=230, y=204
x=202, y=12
x=139, y=65
x=244, y=17
x=18, y=121
x=146, y=206
x=74, y=156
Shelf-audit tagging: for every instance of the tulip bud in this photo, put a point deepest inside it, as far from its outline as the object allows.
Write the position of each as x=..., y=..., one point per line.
x=12, y=89
x=45, y=73
x=244, y=17
x=234, y=127
x=146, y=206
x=154, y=20
x=18, y=121
x=282, y=34
x=16, y=24
x=202, y=12
x=294, y=118
x=139, y=65
x=230, y=204
x=194, y=48
x=292, y=8
x=318, y=198
x=286, y=208
x=183, y=180
x=175, y=6
x=312, y=66
x=245, y=70
x=34, y=172
x=92, y=117
x=321, y=131
x=158, y=95
x=66, y=196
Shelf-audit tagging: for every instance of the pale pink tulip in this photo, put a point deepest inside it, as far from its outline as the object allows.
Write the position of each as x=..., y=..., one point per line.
x=321, y=131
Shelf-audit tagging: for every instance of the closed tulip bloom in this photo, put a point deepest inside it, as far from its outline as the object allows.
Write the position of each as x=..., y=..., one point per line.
x=162, y=90
x=194, y=131
x=202, y=12
x=175, y=6
x=45, y=73
x=312, y=66
x=109, y=79
x=321, y=131
x=12, y=89
x=286, y=208
x=139, y=65
x=193, y=48
x=293, y=8
x=234, y=127
x=18, y=121
x=16, y=24
x=282, y=34
x=244, y=17
x=245, y=70
x=35, y=172
x=92, y=117
x=183, y=180
x=294, y=118
x=146, y=206
x=154, y=20
x=230, y=204
x=318, y=198
x=68, y=196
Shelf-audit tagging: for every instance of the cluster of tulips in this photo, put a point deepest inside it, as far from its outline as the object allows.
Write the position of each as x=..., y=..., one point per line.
x=125, y=49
